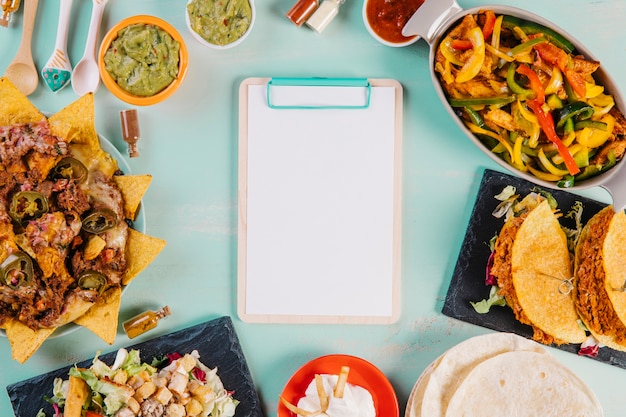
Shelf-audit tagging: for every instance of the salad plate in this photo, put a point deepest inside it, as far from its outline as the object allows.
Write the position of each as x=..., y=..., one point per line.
x=362, y=373
x=216, y=341
x=468, y=280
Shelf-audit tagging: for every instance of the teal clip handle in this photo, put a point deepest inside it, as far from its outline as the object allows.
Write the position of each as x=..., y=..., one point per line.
x=316, y=82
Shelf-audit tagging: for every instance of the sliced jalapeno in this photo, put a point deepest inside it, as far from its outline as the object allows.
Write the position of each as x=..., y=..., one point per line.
x=27, y=205
x=69, y=168
x=92, y=280
x=17, y=270
x=99, y=220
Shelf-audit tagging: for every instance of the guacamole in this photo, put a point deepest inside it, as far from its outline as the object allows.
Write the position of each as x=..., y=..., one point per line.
x=220, y=22
x=143, y=59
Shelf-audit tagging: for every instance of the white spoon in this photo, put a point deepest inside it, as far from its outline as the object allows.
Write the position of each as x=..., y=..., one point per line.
x=86, y=76
x=58, y=70
x=21, y=71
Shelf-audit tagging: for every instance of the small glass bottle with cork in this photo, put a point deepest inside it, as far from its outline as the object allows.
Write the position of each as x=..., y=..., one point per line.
x=145, y=321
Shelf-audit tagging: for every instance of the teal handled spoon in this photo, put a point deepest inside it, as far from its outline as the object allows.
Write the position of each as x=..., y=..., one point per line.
x=58, y=70
x=86, y=75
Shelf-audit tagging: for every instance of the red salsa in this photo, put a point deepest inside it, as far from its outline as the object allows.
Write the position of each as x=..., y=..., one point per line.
x=388, y=17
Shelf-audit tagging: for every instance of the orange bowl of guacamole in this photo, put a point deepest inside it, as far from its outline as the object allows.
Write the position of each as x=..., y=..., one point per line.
x=143, y=60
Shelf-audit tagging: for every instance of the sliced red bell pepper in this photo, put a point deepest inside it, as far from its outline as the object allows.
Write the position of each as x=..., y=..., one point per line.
x=547, y=125
x=490, y=23
x=92, y=414
x=556, y=56
x=535, y=82
x=462, y=44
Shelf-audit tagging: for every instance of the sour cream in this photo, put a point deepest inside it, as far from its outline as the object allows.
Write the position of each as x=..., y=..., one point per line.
x=356, y=401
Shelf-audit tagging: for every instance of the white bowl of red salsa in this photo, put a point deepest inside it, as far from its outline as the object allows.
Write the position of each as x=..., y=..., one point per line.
x=384, y=20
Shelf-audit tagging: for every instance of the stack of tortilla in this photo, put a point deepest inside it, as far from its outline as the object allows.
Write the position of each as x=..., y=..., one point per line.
x=500, y=374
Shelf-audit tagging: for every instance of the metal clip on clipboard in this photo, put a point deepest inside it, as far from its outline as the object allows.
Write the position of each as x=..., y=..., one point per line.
x=319, y=93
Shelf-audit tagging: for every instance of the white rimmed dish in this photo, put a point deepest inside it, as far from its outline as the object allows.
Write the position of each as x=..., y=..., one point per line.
x=228, y=45
x=378, y=34
x=139, y=224
x=362, y=373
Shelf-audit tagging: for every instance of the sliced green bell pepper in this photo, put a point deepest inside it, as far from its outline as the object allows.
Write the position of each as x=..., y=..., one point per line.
x=577, y=111
x=531, y=28
x=481, y=101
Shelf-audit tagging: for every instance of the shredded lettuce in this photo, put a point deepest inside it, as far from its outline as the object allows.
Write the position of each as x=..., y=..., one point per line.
x=576, y=213
x=495, y=299
x=115, y=396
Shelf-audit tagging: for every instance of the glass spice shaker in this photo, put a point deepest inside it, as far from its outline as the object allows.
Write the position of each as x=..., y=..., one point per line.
x=301, y=11
x=145, y=321
x=8, y=7
x=130, y=131
x=324, y=14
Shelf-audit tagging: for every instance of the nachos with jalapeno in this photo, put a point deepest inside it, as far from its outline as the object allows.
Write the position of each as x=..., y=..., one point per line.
x=66, y=242
x=530, y=97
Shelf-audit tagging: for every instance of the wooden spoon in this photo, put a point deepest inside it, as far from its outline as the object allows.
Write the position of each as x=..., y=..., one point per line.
x=21, y=71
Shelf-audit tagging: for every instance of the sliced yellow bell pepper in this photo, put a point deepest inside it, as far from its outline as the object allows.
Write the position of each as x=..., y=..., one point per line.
x=517, y=151
x=549, y=166
x=495, y=35
x=472, y=66
x=448, y=51
x=594, y=90
x=556, y=81
x=593, y=138
x=479, y=130
x=544, y=175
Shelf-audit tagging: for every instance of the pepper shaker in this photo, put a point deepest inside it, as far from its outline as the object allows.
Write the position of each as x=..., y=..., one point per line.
x=130, y=131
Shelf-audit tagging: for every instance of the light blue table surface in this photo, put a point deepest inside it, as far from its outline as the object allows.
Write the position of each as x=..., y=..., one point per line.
x=189, y=145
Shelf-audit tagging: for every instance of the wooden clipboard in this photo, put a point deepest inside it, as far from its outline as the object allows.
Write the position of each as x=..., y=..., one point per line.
x=320, y=182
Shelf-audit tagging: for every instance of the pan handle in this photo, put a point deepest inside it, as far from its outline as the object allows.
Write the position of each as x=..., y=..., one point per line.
x=429, y=18
x=616, y=186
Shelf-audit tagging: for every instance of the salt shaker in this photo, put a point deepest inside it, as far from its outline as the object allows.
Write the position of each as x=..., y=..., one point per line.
x=324, y=14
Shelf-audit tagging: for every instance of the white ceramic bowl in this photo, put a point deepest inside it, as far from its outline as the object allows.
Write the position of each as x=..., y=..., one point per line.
x=215, y=46
x=369, y=25
x=432, y=21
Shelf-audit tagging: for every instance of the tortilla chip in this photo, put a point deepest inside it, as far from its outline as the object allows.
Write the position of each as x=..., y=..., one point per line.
x=540, y=261
x=77, y=394
x=76, y=122
x=15, y=108
x=133, y=188
x=140, y=251
x=102, y=318
x=24, y=340
x=94, y=159
x=77, y=307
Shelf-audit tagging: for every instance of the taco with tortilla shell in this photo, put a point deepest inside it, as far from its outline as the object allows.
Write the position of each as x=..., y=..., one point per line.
x=533, y=269
x=600, y=275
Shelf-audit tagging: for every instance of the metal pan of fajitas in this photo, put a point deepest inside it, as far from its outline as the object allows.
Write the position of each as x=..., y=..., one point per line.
x=527, y=93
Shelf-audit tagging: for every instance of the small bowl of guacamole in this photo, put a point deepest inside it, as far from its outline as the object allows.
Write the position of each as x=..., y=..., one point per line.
x=220, y=24
x=142, y=60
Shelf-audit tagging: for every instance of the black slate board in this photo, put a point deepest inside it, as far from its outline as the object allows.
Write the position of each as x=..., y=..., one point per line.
x=468, y=280
x=215, y=340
